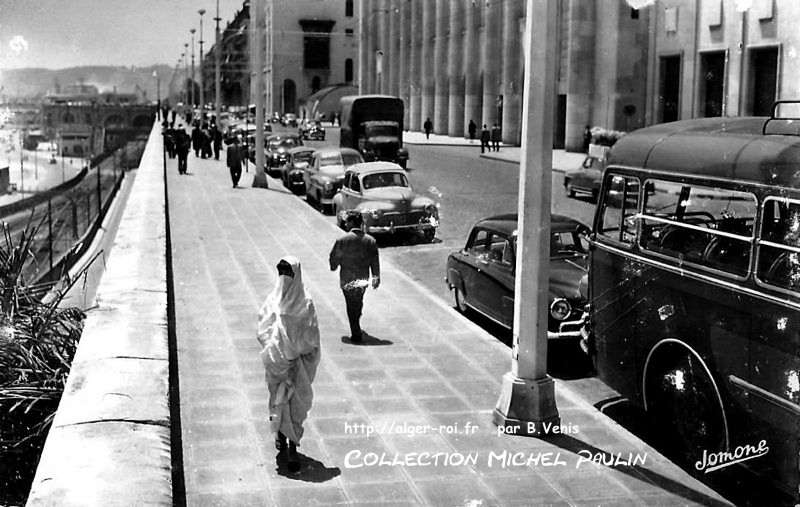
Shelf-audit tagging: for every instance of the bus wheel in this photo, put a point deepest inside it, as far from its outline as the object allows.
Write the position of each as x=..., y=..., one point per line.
x=684, y=405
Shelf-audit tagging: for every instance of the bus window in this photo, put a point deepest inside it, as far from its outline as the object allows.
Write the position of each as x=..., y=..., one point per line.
x=779, y=245
x=620, y=203
x=710, y=227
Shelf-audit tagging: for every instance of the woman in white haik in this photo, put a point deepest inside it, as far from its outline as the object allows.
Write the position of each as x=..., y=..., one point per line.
x=289, y=337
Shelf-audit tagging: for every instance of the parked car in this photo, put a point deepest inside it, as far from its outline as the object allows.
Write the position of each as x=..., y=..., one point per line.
x=481, y=275
x=277, y=147
x=586, y=179
x=293, y=171
x=325, y=174
x=311, y=130
x=276, y=117
x=380, y=191
x=289, y=120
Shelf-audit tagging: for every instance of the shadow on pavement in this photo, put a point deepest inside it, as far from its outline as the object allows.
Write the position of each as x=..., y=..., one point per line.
x=575, y=446
x=367, y=340
x=311, y=470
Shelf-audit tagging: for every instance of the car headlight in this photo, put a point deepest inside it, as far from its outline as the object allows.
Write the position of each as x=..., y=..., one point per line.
x=373, y=213
x=327, y=185
x=560, y=309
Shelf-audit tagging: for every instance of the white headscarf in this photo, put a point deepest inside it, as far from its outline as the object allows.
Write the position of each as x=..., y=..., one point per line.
x=289, y=337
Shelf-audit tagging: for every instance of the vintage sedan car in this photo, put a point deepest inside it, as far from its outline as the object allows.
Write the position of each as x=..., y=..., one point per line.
x=277, y=148
x=292, y=172
x=380, y=191
x=481, y=275
x=325, y=174
x=586, y=179
x=311, y=130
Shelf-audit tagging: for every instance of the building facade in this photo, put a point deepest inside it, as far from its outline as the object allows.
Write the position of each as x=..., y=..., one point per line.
x=454, y=61
x=83, y=121
x=722, y=57
x=309, y=45
x=234, y=41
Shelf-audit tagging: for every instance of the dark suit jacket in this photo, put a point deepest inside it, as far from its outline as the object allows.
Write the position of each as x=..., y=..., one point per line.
x=356, y=253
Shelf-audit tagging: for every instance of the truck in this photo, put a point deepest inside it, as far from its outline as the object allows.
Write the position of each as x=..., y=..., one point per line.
x=373, y=125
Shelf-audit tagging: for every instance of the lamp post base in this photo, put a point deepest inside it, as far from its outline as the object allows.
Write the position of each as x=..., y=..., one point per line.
x=526, y=406
x=260, y=180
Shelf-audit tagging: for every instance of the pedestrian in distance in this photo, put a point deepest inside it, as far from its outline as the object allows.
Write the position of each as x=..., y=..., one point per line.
x=234, y=161
x=169, y=140
x=197, y=139
x=206, y=141
x=355, y=254
x=428, y=126
x=485, y=138
x=472, y=129
x=173, y=118
x=290, y=351
x=216, y=139
x=182, y=146
x=587, y=138
x=497, y=136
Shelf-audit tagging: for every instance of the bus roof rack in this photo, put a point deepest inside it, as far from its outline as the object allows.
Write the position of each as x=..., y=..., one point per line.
x=773, y=115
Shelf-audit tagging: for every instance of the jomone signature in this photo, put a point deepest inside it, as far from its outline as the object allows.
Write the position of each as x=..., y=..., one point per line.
x=712, y=461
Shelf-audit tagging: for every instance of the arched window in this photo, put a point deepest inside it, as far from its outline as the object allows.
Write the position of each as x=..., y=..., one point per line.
x=315, y=84
x=348, y=8
x=348, y=70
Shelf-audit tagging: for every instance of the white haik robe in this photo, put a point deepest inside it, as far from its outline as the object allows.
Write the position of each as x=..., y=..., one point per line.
x=289, y=337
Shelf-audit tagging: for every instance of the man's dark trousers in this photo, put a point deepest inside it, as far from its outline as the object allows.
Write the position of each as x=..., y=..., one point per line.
x=354, y=299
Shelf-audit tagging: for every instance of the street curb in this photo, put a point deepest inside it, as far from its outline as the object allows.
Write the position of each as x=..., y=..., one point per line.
x=488, y=157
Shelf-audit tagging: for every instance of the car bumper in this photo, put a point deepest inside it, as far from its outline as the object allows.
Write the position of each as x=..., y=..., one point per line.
x=424, y=224
x=568, y=330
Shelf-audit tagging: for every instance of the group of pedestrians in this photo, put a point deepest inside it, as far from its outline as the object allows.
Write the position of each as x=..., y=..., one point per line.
x=205, y=139
x=288, y=333
x=490, y=139
x=177, y=144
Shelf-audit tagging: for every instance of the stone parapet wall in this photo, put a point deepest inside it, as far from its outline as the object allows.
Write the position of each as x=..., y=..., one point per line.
x=110, y=440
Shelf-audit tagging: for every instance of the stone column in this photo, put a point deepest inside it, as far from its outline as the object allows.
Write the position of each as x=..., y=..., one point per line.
x=428, y=69
x=472, y=65
x=491, y=57
x=370, y=25
x=455, y=69
x=394, y=48
x=415, y=67
x=512, y=82
x=382, y=15
x=442, y=81
x=363, y=43
x=580, y=77
x=404, y=58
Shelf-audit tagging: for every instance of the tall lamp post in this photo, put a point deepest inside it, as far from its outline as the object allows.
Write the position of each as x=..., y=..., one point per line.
x=158, y=94
x=185, y=56
x=217, y=93
x=192, y=31
x=202, y=94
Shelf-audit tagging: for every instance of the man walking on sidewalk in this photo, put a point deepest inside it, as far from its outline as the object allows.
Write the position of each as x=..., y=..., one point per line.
x=428, y=126
x=355, y=254
x=182, y=146
x=485, y=139
x=497, y=136
x=234, y=160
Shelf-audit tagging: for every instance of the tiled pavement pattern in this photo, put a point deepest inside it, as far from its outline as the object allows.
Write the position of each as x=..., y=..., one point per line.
x=425, y=365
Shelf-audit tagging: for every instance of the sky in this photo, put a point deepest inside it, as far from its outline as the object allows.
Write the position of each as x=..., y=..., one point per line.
x=55, y=34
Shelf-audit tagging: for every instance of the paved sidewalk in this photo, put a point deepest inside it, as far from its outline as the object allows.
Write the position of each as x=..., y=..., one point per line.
x=562, y=160
x=425, y=382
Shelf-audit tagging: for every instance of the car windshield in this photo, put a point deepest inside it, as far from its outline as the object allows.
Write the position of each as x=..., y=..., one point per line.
x=340, y=158
x=393, y=179
x=382, y=130
x=304, y=156
x=283, y=143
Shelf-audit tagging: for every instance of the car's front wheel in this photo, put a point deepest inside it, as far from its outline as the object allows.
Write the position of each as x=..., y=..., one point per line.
x=458, y=299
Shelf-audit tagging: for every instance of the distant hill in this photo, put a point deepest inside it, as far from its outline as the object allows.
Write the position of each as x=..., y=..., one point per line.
x=34, y=82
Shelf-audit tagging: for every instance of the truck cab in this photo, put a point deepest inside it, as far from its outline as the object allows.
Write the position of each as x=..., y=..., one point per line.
x=373, y=125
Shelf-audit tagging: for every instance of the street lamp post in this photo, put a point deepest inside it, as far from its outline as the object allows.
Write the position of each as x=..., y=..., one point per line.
x=202, y=93
x=192, y=31
x=217, y=93
x=158, y=94
x=185, y=56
